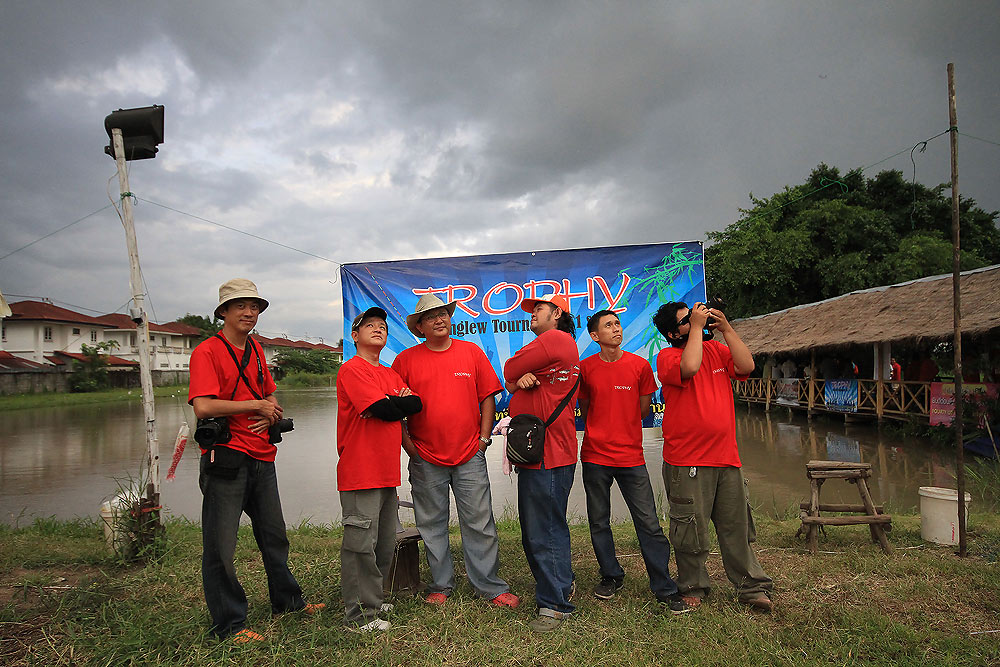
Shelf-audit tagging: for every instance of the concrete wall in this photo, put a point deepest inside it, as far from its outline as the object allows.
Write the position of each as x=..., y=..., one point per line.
x=35, y=382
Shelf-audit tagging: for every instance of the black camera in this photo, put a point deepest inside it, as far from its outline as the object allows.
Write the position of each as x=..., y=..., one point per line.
x=212, y=431
x=277, y=428
x=716, y=303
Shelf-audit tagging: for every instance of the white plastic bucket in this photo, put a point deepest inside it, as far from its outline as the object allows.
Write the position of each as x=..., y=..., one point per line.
x=939, y=514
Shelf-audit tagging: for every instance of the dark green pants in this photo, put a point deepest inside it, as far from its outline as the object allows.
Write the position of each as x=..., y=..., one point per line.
x=719, y=495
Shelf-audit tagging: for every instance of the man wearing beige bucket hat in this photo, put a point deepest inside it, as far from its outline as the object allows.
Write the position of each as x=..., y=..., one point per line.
x=446, y=443
x=232, y=393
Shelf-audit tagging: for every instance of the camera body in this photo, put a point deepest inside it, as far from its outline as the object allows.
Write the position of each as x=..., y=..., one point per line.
x=717, y=304
x=212, y=431
x=277, y=428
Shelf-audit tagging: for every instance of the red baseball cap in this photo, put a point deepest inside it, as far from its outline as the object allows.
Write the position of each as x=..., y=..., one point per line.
x=557, y=300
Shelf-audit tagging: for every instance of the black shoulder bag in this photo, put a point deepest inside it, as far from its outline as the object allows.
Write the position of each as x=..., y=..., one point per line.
x=526, y=433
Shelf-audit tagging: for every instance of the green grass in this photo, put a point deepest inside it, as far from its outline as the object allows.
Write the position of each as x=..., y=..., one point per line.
x=64, y=600
x=301, y=380
x=53, y=400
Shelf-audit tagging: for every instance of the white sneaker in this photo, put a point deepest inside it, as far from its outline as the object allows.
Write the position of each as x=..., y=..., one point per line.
x=386, y=608
x=377, y=624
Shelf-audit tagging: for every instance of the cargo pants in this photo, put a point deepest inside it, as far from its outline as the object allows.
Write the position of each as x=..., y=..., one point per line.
x=717, y=494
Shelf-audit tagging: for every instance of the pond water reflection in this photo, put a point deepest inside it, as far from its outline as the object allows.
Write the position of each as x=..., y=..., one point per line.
x=63, y=461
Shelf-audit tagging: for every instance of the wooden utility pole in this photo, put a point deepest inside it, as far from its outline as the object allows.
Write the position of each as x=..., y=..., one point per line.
x=138, y=315
x=956, y=280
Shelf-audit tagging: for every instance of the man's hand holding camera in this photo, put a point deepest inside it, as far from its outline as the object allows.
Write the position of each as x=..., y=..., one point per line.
x=268, y=413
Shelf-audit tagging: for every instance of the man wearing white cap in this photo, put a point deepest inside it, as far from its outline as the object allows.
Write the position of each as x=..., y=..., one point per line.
x=447, y=444
x=540, y=376
x=232, y=393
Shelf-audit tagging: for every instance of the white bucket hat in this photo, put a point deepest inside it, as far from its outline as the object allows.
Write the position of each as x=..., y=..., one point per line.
x=425, y=303
x=238, y=288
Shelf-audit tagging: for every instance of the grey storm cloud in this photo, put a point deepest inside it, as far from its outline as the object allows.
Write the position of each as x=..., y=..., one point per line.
x=361, y=131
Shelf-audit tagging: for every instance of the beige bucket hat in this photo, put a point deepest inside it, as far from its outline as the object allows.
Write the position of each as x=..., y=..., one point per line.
x=425, y=303
x=238, y=288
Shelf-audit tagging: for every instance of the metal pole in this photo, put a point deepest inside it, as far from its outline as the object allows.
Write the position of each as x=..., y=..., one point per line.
x=138, y=314
x=957, y=292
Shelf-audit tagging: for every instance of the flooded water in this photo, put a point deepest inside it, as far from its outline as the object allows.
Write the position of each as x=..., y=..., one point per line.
x=64, y=461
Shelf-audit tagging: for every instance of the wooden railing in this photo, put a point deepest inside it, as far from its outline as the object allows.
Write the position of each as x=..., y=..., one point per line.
x=883, y=399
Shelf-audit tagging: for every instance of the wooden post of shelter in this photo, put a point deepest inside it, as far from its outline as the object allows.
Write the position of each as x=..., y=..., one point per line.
x=957, y=292
x=879, y=382
x=812, y=382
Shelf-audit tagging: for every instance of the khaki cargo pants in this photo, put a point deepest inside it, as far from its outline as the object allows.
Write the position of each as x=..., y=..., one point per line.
x=719, y=494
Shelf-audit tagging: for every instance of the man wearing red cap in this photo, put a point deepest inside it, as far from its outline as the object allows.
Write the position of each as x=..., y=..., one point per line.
x=539, y=376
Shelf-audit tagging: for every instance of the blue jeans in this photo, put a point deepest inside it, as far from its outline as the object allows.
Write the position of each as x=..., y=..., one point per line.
x=638, y=494
x=470, y=482
x=542, y=497
x=254, y=491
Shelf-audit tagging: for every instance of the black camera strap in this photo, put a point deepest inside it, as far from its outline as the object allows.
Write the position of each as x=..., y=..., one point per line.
x=562, y=404
x=241, y=365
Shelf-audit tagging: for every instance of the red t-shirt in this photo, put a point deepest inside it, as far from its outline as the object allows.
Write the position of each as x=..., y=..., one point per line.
x=214, y=374
x=613, y=432
x=451, y=385
x=553, y=358
x=369, y=447
x=699, y=422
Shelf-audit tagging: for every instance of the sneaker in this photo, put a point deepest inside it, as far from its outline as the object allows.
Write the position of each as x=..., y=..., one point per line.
x=506, y=600
x=245, y=636
x=436, y=598
x=386, y=608
x=760, y=602
x=546, y=623
x=691, y=601
x=677, y=604
x=607, y=588
x=376, y=625
x=313, y=608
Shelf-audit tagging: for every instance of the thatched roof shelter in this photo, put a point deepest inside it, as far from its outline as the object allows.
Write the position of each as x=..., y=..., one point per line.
x=912, y=311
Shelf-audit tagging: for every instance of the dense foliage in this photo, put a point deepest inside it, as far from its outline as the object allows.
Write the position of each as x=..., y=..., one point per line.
x=92, y=373
x=209, y=326
x=837, y=233
x=294, y=360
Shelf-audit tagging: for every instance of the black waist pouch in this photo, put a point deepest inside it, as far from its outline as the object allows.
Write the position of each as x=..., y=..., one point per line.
x=224, y=462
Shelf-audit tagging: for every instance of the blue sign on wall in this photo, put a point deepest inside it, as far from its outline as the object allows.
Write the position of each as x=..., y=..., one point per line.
x=631, y=280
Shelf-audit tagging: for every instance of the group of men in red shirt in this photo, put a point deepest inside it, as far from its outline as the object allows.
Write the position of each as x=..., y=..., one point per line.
x=437, y=403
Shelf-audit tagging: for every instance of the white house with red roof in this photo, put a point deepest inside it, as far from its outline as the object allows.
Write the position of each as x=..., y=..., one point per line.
x=49, y=335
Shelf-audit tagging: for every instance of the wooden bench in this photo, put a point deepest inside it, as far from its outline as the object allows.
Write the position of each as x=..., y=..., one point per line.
x=855, y=473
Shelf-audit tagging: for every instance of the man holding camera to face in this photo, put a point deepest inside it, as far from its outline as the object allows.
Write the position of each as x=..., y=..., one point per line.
x=239, y=422
x=701, y=469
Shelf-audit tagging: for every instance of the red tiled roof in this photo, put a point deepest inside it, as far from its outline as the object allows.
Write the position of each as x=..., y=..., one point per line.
x=37, y=310
x=299, y=344
x=124, y=322
x=10, y=362
x=112, y=359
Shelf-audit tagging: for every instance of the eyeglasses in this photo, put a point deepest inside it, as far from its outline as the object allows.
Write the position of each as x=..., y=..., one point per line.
x=434, y=317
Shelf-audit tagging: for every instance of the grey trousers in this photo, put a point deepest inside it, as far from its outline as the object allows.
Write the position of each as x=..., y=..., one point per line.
x=367, y=550
x=719, y=495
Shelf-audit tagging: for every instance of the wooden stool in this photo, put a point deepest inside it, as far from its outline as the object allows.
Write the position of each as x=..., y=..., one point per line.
x=856, y=473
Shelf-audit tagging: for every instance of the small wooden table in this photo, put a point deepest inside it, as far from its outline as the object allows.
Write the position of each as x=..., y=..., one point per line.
x=855, y=473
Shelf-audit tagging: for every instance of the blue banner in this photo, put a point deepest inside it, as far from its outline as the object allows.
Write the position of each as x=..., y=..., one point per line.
x=631, y=280
x=841, y=395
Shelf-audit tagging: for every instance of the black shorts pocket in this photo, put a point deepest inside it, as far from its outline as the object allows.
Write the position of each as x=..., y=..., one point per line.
x=358, y=536
x=684, y=533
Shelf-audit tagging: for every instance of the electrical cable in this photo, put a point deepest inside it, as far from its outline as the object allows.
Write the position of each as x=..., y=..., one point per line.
x=42, y=238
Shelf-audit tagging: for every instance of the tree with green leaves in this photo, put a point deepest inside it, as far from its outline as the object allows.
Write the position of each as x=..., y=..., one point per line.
x=91, y=374
x=839, y=233
x=209, y=326
x=296, y=360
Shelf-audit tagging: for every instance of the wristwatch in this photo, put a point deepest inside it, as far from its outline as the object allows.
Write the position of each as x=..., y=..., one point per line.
x=485, y=442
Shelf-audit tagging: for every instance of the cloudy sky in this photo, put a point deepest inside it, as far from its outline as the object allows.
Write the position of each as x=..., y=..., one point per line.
x=366, y=131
